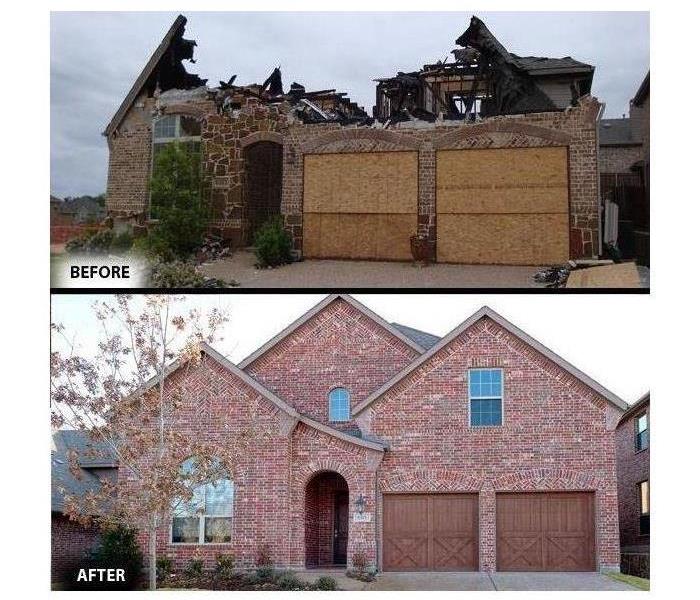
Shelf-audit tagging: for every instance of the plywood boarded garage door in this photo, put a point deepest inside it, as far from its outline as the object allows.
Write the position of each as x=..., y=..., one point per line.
x=503, y=206
x=545, y=532
x=360, y=205
x=430, y=532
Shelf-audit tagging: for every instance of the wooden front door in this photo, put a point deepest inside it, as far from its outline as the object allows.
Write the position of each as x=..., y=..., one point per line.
x=340, y=529
x=551, y=531
x=430, y=532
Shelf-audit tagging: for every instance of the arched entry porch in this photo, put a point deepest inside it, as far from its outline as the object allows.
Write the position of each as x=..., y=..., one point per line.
x=263, y=185
x=326, y=518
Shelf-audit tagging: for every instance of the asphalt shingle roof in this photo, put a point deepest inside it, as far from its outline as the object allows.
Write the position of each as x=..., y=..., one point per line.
x=91, y=455
x=614, y=132
x=423, y=339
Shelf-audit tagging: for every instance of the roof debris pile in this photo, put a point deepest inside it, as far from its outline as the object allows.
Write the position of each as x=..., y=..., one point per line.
x=484, y=80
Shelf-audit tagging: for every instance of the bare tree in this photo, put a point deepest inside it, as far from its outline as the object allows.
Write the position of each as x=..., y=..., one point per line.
x=128, y=397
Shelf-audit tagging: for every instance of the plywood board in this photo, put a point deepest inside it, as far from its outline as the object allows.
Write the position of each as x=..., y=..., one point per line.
x=503, y=206
x=363, y=182
x=539, y=239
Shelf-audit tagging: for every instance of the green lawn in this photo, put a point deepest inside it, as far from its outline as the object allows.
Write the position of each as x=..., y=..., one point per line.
x=638, y=582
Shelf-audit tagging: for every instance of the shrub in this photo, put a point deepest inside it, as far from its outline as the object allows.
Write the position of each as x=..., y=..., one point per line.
x=224, y=565
x=100, y=242
x=289, y=581
x=164, y=566
x=360, y=561
x=121, y=243
x=182, y=275
x=326, y=583
x=265, y=574
x=195, y=567
x=273, y=245
x=176, y=202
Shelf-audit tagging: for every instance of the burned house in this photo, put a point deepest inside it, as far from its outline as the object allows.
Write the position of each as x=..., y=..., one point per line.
x=491, y=158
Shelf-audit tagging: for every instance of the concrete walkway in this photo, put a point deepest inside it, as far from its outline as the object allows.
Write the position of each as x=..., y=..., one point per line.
x=474, y=581
x=359, y=273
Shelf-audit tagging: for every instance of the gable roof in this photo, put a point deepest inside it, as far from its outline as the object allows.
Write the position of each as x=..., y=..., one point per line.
x=424, y=339
x=643, y=91
x=486, y=312
x=317, y=309
x=276, y=400
x=616, y=132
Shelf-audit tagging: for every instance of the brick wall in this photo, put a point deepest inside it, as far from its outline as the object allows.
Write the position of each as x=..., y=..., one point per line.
x=619, y=159
x=556, y=434
x=632, y=467
x=225, y=136
x=70, y=542
x=338, y=347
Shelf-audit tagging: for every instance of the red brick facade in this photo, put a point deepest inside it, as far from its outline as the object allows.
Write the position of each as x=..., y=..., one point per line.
x=558, y=434
x=633, y=468
x=70, y=543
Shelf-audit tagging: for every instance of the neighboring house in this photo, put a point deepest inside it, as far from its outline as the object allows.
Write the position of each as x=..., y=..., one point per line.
x=70, y=540
x=633, y=490
x=491, y=159
x=74, y=217
x=481, y=450
x=624, y=158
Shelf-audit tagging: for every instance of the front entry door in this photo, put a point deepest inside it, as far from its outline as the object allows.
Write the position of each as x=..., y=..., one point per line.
x=340, y=529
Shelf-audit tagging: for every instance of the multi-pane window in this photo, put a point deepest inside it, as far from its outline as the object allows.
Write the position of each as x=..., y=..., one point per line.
x=641, y=432
x=206, y=517
x=643, y=488
x=485, y=397
x=339, y=405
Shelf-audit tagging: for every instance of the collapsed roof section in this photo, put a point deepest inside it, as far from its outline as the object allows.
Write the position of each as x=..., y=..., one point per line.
x=164, y=71
x=484, y=80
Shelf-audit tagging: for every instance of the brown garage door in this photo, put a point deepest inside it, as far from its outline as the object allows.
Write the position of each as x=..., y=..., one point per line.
x=430, y=532
x=503, y=206
x=360, y=205
x=545, y=532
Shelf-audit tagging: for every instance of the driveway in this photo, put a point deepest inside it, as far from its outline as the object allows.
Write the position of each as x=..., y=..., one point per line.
x=476, y=581
x=359, y=273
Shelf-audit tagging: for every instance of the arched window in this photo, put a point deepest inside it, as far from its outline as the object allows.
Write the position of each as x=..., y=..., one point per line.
x=184, y=130
x=206, y=517
x=339, y=405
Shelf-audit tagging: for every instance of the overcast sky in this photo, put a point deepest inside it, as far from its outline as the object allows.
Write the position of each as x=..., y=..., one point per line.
x=95, y=58
x=598, y=334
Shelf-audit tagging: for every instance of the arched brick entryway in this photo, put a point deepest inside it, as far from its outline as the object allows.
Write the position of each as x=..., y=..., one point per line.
x=263, y=184
x=326, y=520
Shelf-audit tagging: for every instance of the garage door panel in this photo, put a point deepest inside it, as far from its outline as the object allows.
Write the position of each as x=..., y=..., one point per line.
x=430, y=532
x=503, y=206
x=545, y=532
x=503, y=239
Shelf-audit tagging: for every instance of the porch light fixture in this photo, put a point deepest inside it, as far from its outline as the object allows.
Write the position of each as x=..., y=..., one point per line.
x=360, y=504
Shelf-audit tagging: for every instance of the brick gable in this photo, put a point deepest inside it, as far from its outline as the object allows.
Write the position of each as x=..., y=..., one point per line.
x=338, y=347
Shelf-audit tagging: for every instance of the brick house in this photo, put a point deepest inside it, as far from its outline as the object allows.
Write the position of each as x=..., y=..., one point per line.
x=482, y=450
x=72, y=541
x=523, y=167
x=633, y=490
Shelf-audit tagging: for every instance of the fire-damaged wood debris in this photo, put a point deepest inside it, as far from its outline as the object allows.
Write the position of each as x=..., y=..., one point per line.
x=484, y=80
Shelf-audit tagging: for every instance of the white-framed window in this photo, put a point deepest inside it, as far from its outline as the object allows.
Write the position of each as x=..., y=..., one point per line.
x=485, y=397
x=206, y=517
x=339, y=405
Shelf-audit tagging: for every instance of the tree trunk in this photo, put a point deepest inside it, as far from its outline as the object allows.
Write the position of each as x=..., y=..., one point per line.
x=152, y=534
